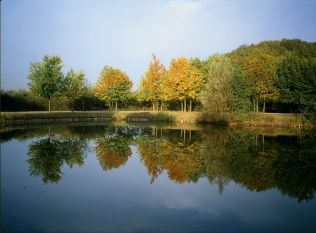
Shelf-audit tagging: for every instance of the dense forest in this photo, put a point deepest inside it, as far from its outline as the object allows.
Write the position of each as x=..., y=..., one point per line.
x=272, y=76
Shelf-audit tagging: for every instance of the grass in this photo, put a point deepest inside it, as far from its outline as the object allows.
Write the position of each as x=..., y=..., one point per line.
x=246, y=119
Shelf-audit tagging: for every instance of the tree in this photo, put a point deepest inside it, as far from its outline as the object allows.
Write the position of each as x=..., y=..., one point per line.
x=150, y=86
x=260, y=63
x=216, y=92
x=46, y=79
x=86, y=92
x=202, y=66
x=183, y=81
x=113, y=86
x=239, y=92
x=260, y=71
x=297, y=83
x=75, y=86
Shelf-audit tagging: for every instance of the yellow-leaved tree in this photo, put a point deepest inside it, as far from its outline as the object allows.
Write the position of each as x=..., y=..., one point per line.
x=183, y=82
x=113, y=86
x=150, y=86
x=261, y=71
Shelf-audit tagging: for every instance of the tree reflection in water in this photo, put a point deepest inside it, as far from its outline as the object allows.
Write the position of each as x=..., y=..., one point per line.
x=181, y=159
x=255, y=161
x=113, y=149
x=46, y=157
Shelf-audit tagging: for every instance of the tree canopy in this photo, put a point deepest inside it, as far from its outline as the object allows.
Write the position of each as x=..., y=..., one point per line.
x=297, y=82
x=46, y=78
x=76, y=85
x=151, y=83
x=262, y=65
x=183, y=81
x=113, y=86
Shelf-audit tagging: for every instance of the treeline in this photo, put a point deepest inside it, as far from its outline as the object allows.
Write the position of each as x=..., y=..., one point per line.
x=272, y=76
x=280, y=73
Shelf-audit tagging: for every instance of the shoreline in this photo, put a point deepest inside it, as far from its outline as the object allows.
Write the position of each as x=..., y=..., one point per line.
x=287, y=120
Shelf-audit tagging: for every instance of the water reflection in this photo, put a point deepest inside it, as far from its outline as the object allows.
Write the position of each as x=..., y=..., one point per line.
x=46, y=157
x=182, y=160
x=255, y=161
x=113, y=149
x=260, y=163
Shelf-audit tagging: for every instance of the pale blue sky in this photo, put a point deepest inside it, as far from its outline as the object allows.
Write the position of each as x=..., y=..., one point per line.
x=89, y=34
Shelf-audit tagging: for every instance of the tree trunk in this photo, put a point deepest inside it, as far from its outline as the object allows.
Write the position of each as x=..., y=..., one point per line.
x=264, y=106
x=181, y=106
x=161, y=106
x=153, y=106
x=185, y=104
x=257, y=106
x=82, y=104
x=73, y=105
x=49, y=109
x=116, y=106
x=263, y=143
x=190, y=105
x=254, y=104
x=153, y=132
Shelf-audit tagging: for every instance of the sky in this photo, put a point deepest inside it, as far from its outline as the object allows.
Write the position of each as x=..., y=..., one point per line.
x=90, y=34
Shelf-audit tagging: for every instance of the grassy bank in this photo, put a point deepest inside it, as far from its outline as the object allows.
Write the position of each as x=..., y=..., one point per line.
x=249, y=119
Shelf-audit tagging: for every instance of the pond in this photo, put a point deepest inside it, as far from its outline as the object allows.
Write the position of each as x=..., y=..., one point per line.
x=156, y=178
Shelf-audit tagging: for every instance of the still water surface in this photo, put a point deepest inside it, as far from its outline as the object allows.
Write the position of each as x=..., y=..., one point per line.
x=106, y=178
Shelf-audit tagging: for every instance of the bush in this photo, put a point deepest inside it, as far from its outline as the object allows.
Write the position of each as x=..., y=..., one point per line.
x=14, y=101
x=20, y=101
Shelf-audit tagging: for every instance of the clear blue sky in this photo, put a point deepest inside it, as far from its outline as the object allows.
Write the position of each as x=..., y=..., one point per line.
x=89, y=34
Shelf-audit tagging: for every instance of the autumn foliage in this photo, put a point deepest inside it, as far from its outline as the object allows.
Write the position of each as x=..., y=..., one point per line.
x=113, y=86
x=183, y=82
x=151, y=84
x=273, y=76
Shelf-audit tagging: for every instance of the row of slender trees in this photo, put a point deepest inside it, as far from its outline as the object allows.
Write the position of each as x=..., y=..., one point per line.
x=281, y=74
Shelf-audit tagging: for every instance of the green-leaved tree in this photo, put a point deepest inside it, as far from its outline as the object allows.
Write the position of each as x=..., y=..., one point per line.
x=216, y=92
x=75, y=86
x=46, y=78
x=297, y=83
